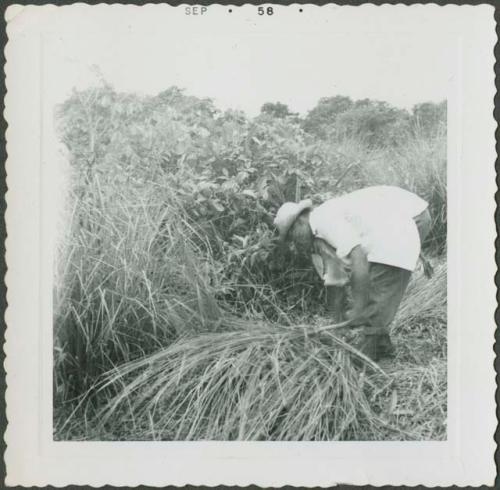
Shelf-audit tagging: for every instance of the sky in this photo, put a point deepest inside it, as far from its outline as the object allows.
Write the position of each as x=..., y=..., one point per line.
x=394, y=59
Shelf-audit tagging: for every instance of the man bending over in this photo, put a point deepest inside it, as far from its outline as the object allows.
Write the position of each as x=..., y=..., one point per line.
x=369, y=238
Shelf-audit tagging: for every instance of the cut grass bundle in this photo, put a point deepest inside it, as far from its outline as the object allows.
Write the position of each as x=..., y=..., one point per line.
x=262, y=383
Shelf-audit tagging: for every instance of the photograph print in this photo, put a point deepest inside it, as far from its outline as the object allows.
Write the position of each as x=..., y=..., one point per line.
x=252, y=238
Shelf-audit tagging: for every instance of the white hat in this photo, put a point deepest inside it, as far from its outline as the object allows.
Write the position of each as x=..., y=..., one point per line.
x=288, y=213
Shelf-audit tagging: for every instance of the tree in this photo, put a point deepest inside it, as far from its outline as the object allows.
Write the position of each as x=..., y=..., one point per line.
x=190, y=107
x=376, y=123
x=373, y=122
x=323, y=117
x=428, y=117
x=276, y=109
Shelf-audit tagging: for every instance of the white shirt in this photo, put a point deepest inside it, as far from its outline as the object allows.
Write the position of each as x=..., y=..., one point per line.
x=378, y=218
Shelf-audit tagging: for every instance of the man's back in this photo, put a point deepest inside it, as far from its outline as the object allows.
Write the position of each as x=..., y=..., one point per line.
x=382, y=200
x=378, y=218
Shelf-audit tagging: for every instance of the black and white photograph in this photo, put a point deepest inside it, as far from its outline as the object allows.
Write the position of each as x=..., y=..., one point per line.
x=253, y=230
x=213, y=250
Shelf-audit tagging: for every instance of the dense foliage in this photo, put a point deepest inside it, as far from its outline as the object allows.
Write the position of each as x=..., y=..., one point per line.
x=173, y=205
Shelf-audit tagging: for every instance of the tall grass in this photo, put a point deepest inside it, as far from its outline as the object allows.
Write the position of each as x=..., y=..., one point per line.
x=134, y=276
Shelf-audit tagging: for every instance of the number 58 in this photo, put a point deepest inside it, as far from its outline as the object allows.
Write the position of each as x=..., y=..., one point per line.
x=268, y=11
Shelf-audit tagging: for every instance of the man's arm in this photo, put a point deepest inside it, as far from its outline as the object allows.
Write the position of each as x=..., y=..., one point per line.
x=333, y=273
x=334, y=277
x=360, y=283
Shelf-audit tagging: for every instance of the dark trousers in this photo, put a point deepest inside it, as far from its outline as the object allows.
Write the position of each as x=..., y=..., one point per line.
x=388, y=285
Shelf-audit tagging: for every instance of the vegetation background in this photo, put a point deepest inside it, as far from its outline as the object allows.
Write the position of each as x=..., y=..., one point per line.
x=175, y=315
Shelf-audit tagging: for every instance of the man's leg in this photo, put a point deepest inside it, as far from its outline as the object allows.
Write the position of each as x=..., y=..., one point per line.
x=387, y=287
